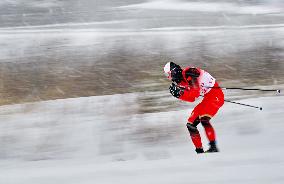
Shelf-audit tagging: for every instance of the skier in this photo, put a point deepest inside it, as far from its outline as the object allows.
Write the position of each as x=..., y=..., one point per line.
x=188, y=84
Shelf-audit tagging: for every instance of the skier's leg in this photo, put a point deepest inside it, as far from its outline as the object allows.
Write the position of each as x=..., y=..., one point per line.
x=193, y=121
x=210, y=133
x=211, y=105
x=209, y=130
x=195, y=136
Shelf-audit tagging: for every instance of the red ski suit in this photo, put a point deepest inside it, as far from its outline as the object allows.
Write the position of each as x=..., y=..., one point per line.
x=204, y=85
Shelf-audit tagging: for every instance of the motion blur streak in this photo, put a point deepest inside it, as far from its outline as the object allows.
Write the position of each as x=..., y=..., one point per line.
x=84, y=99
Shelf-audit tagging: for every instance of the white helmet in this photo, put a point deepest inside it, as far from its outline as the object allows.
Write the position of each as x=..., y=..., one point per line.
x=167, y=70
x=173, y=71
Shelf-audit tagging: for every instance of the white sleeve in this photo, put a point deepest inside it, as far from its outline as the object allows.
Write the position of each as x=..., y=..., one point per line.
x=206, y=82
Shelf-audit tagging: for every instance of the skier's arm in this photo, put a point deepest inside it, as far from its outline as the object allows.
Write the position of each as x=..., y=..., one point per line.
x=190, y=95
x=186, y=94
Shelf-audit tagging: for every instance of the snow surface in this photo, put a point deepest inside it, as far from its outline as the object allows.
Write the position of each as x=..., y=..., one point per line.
x=103, y=140
x=224, y=7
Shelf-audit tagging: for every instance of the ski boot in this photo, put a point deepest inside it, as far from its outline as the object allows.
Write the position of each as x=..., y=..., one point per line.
x=199, y=150
x=213, y=148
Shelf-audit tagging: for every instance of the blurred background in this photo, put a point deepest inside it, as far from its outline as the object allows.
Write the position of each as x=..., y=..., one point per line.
x=104, y=61
x=60, y=49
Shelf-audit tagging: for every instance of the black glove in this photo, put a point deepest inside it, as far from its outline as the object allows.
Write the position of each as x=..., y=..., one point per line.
x=176, y=75
x=175, y=90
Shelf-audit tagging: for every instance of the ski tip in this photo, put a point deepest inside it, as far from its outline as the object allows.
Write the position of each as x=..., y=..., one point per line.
x=260, y=108
x=278, y=91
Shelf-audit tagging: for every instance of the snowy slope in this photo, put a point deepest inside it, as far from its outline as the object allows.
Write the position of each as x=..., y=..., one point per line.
x=104, y=140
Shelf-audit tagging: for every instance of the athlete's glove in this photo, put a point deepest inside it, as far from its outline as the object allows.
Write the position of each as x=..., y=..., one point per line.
x=175, y=90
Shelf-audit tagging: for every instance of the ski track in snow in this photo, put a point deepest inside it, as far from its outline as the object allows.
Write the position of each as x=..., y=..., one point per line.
x=75, y=27
x=205, y=7
x=75, y=141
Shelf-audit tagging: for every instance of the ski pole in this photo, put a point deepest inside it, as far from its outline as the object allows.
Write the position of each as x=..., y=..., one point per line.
x=260, y=108
x=238, y=103
x=250, y=89
x=247, y=105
